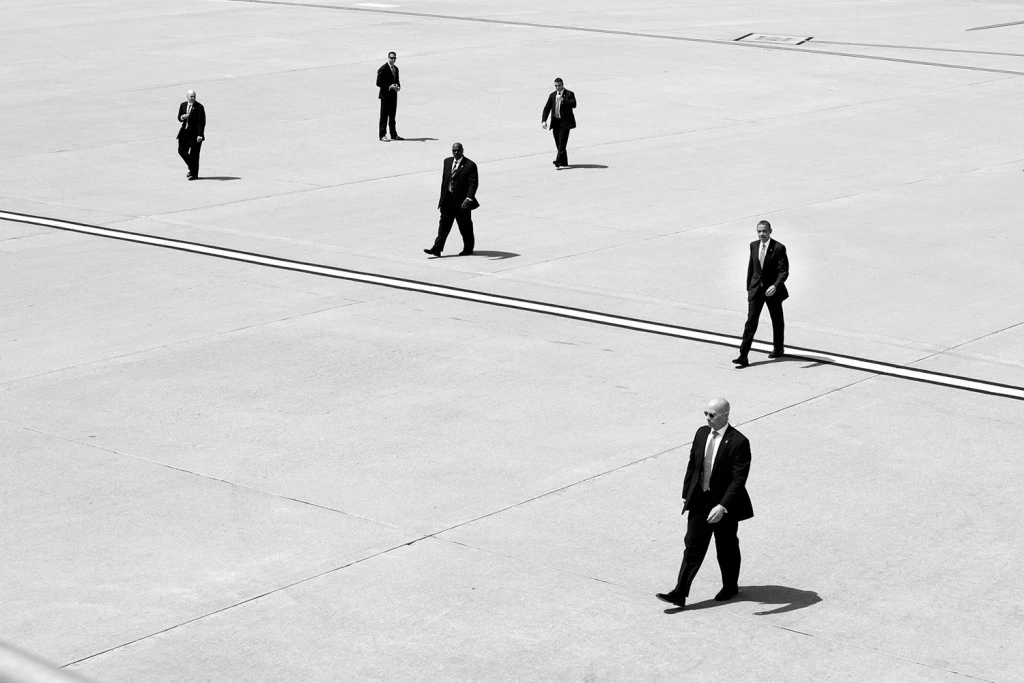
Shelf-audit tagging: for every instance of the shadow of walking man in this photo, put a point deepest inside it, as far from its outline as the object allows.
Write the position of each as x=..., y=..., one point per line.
x=788, y=599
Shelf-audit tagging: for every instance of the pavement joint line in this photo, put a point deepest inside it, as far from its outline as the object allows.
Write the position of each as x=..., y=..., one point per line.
x=922, y=47
x=1009, y=23
x=200, y=475
x=180, y=342
x=794, y=352
x=629, y=34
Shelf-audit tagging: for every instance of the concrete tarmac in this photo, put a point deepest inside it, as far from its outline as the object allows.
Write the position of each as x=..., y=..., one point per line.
x=216, y=470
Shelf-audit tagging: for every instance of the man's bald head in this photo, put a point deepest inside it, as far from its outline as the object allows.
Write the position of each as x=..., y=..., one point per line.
x=717, y=413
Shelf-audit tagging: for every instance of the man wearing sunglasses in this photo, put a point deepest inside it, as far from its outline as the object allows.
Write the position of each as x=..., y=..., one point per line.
x=715, y=495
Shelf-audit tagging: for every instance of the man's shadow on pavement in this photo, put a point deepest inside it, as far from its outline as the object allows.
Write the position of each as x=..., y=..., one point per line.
x=218, y=177
x=788, y=599
x=570, y=166
x=493, y=255
x=813, y=362
x=414, y=140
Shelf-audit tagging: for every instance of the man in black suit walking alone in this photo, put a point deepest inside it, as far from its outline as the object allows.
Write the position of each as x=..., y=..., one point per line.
x=560, y=107
x=767, y=271
x=389, y=83
x=715, y=494
x=192, y=132
x=459, y=180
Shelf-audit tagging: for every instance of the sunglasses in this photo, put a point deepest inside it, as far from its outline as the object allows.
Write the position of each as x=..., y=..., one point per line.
x=710, y=415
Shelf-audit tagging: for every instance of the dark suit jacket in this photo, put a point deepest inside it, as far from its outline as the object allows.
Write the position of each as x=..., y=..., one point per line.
x=466, y=181
x=728, y=476
x=568, y=104
x=775, y=271
x=384, y=81
x=195, y=126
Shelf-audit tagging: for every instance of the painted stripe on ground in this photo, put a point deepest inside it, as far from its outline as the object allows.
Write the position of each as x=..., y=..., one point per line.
x=852, y=362
x=634, y=34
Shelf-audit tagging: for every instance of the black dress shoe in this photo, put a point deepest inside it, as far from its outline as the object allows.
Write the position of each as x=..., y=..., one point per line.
x=671, y=599
x=397, y=137
x=741, y=361
x=775, y=354
x=726, y=594
x=466, y=253
x=431, y=252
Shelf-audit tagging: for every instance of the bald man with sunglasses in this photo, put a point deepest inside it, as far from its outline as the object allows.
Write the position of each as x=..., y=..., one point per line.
x=715, y=495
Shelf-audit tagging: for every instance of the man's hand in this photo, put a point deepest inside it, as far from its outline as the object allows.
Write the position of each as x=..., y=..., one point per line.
x=544, y=125
x=466, y=203
x=183, y=117
x=394, y=86
x=199, y=138
x=716, y=515
x=770, y=291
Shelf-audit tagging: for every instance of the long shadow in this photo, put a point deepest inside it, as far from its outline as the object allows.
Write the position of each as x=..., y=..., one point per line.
x=493, y=255
x=414, y=140
x=218, y=177
x=788, y=599
x=496, y=255
x=569, y=166
x=813, y=362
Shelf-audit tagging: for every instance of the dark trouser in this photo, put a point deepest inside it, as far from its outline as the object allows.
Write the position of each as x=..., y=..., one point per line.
x=754, y=306
x=698, y=538
x=188, y=150
x=450, y=215
x=388, y=109
x=561, y=136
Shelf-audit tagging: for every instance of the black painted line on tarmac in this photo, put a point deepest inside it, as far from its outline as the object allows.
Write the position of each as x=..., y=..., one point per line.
x=631, y=34
x=607, y=319
x=1010, y=23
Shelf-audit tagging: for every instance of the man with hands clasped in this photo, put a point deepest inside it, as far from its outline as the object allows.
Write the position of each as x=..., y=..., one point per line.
x=715, y=495
x=190, y=136
x=559, y=107
x=388, y=84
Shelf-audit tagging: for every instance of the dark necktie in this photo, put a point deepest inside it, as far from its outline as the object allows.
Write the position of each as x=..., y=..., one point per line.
x=451, y=180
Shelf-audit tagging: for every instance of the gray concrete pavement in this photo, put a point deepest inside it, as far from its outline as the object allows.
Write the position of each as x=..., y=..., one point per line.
x=220, y=471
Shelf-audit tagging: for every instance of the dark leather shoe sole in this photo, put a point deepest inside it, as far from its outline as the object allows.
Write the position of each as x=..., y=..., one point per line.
x=431, y=252
x=741, y=362
x=465, y=253
x=775, y=355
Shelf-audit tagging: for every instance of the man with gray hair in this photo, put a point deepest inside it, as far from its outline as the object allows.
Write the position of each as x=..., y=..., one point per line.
x=192, y=132
x=715, y=495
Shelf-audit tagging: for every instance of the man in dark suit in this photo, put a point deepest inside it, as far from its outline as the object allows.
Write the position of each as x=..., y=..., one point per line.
x=767, y=271
x=389, y=84
x=459, y=181
x=192, y=132
x=715, y=494
x=560, y=107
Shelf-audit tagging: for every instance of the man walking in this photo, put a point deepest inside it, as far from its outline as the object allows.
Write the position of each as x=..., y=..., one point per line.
x=715, y=495
x=459, y=180
x=389, y=84
x=767, y=271
x=192, y=132
x=560, y=107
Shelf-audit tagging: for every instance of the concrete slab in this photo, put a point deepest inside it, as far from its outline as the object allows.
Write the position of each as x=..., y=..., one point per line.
x=103, y=548
x=466, y=614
